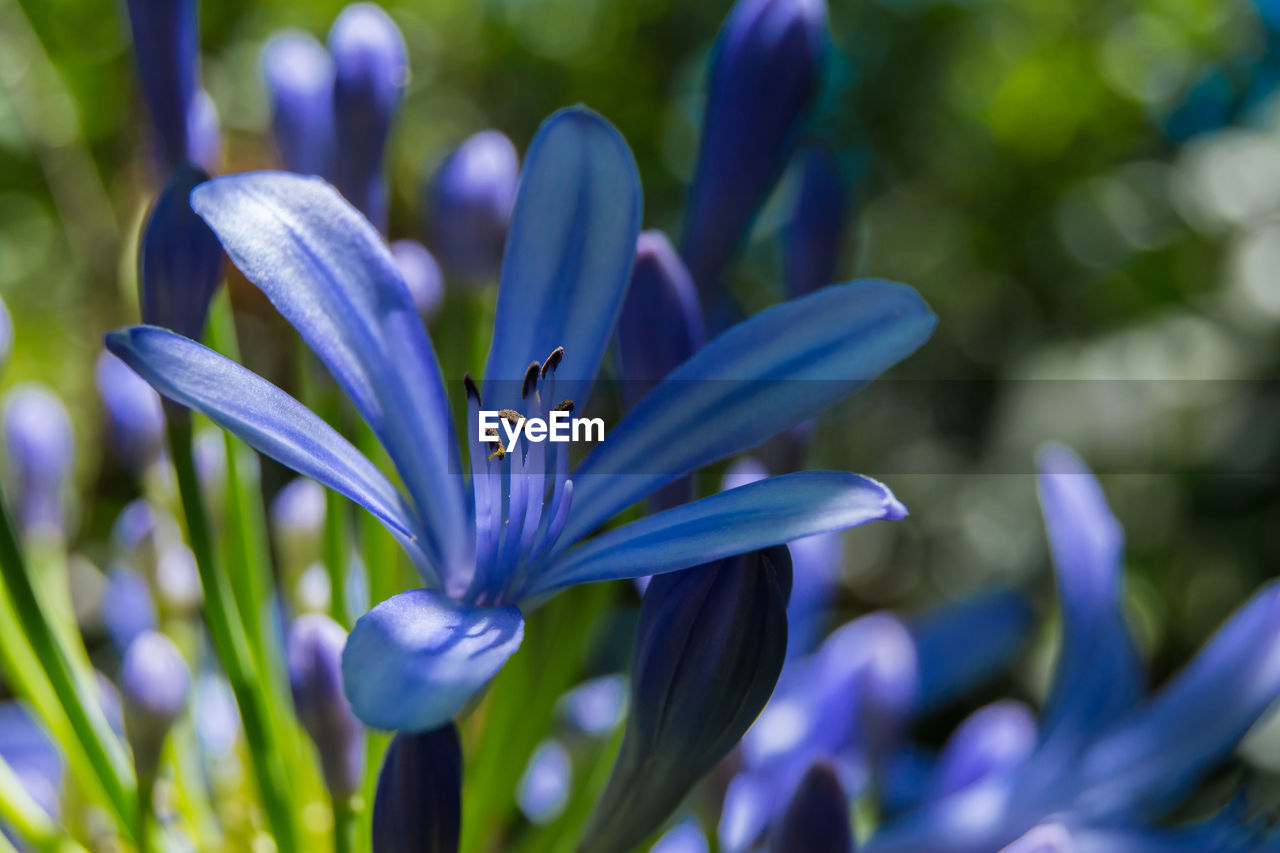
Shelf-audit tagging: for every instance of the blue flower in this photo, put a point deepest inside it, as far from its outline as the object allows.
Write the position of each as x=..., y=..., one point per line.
x=298, y=74
x=1107, y=759
x=421, y=275
x=314, y=657
x=469, y=199
x=32, y=755
x=154, y=683
x=817, y=819
x=41, y=452
x=518, y=531
x=418, y=805
x=812, y=236
x=135, y=420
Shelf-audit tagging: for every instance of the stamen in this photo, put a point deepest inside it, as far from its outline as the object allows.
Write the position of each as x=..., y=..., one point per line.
x=530, y=383
x=553, y=361
x=491, y=437
x=564, y=406
x=510, y=415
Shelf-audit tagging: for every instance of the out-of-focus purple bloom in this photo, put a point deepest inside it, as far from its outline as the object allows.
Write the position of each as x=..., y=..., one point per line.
x=32, y=755
x=154, y=682
x=371, y=69
x=709, y=649
x=297, y=524
x=469, y=199
x=166, y=36
x=596, y=707
x=811, y=239
x=421, y=275
x=685, y=837
x=418, y=806
x=314, y=651
x=817, y=818
x=543, y=789
x=299, y=78
x=217, y=718
x=135, y=419
x=1050, y=838
x=178, y=578
x=6, y=337
x=416, y=659
x=128, y=609
x=41, y=453
x=766, y=70
x=136, y=527
x=1108, y=761
x=205, y=131
x=992, y=739
x=180, y=261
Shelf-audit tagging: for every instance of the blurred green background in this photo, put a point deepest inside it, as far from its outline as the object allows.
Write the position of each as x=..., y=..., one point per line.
x=1015, y=165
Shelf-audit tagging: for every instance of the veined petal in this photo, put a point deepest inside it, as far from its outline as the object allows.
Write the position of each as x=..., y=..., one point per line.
x=1197, y=719
x=769, y=512
x=263, y=416
x=325, y=268
x=568, y=256
x=1098, y=675
x=413, y=661
x=761, y=377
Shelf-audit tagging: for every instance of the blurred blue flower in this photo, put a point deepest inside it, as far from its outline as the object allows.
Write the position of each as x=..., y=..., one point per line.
x=421, y=275
x=418, y=805
x=1107, y=760
x=135, y=419
x=817, y=818
x=32, y=755
x=370, y=71
x=166, y=42
x=685, y=837
x=154, y=683
x=811, y=238
x=544, y=786
x=6, y=336
x=414, y=660
x=41, y=453
x=127, y=607
x=469, y=199
x=298, y=74
x=179, y=260
x=596, y=707
x=766, y=71
x=314, y=655
x=709, y=648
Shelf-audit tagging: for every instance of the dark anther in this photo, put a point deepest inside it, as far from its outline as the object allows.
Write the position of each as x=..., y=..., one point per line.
x=530, y=380
x=510, y=416
x=564, y=406
x=472, y=390
x=553, y=361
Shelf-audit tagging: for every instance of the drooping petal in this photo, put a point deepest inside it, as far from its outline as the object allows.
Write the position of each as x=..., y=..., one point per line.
x=418, y=807
x=996, y=737
x=766, y=374
x=709, y=649
x=754, y=516
x=817, y=819
x=329, y=273
x=263, y=416
x=413, y=661
x=1098, y=674
x=568, y=256
x=179, y=260
x=1156, y=752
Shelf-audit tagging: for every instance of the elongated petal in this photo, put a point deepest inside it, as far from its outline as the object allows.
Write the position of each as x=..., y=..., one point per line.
x=568, y=256
x=812, y=236
x=414, y=660
x=1197, y=719
x=260, y=414
x=993, y=738
x=418, y=807
x=766, y=374
x=328, y=272
x=754, y=516
x=1050, y=838
x=1099, y=675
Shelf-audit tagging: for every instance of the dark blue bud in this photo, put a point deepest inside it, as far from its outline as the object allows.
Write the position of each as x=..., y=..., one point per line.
x=180, y=259
x=41, y=452
x=315, y=676
x=154, y=682
x=766, y=70
x=418, y=806
x=469, y=199
x=371, y=68
x=135, y=418
x=128, y=610
x=709, y=649
x=421, y=275
x=811, y=240
x=166, y=37
x=299, y=77
x=817, y=819
x=6, y=337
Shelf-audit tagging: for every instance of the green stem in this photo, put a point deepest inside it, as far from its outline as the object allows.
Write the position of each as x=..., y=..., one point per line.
x=142, y=826
x=346, y=821
x=227, y=631
x=335, y=555
x=78, y=698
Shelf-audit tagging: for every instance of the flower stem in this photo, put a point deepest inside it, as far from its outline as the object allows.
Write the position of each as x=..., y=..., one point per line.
x=227, y=630
x=346, y=821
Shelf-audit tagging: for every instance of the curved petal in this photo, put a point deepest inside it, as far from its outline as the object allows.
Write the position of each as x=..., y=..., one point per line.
x=1099, y=675
x=325, y=269
x=747, y=518
x=263, y=416
x=413, y=661
x=764, y=375
x=568, y=256
x=993, y=738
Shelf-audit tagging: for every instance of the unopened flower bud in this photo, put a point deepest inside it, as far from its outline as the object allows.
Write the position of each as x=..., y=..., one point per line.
x=299, y=78
x=135, y=419
x=817, y=819
x=469, y=199
x=418, y=807
x=315, y=676
x=154, y=681
x=41, y=451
